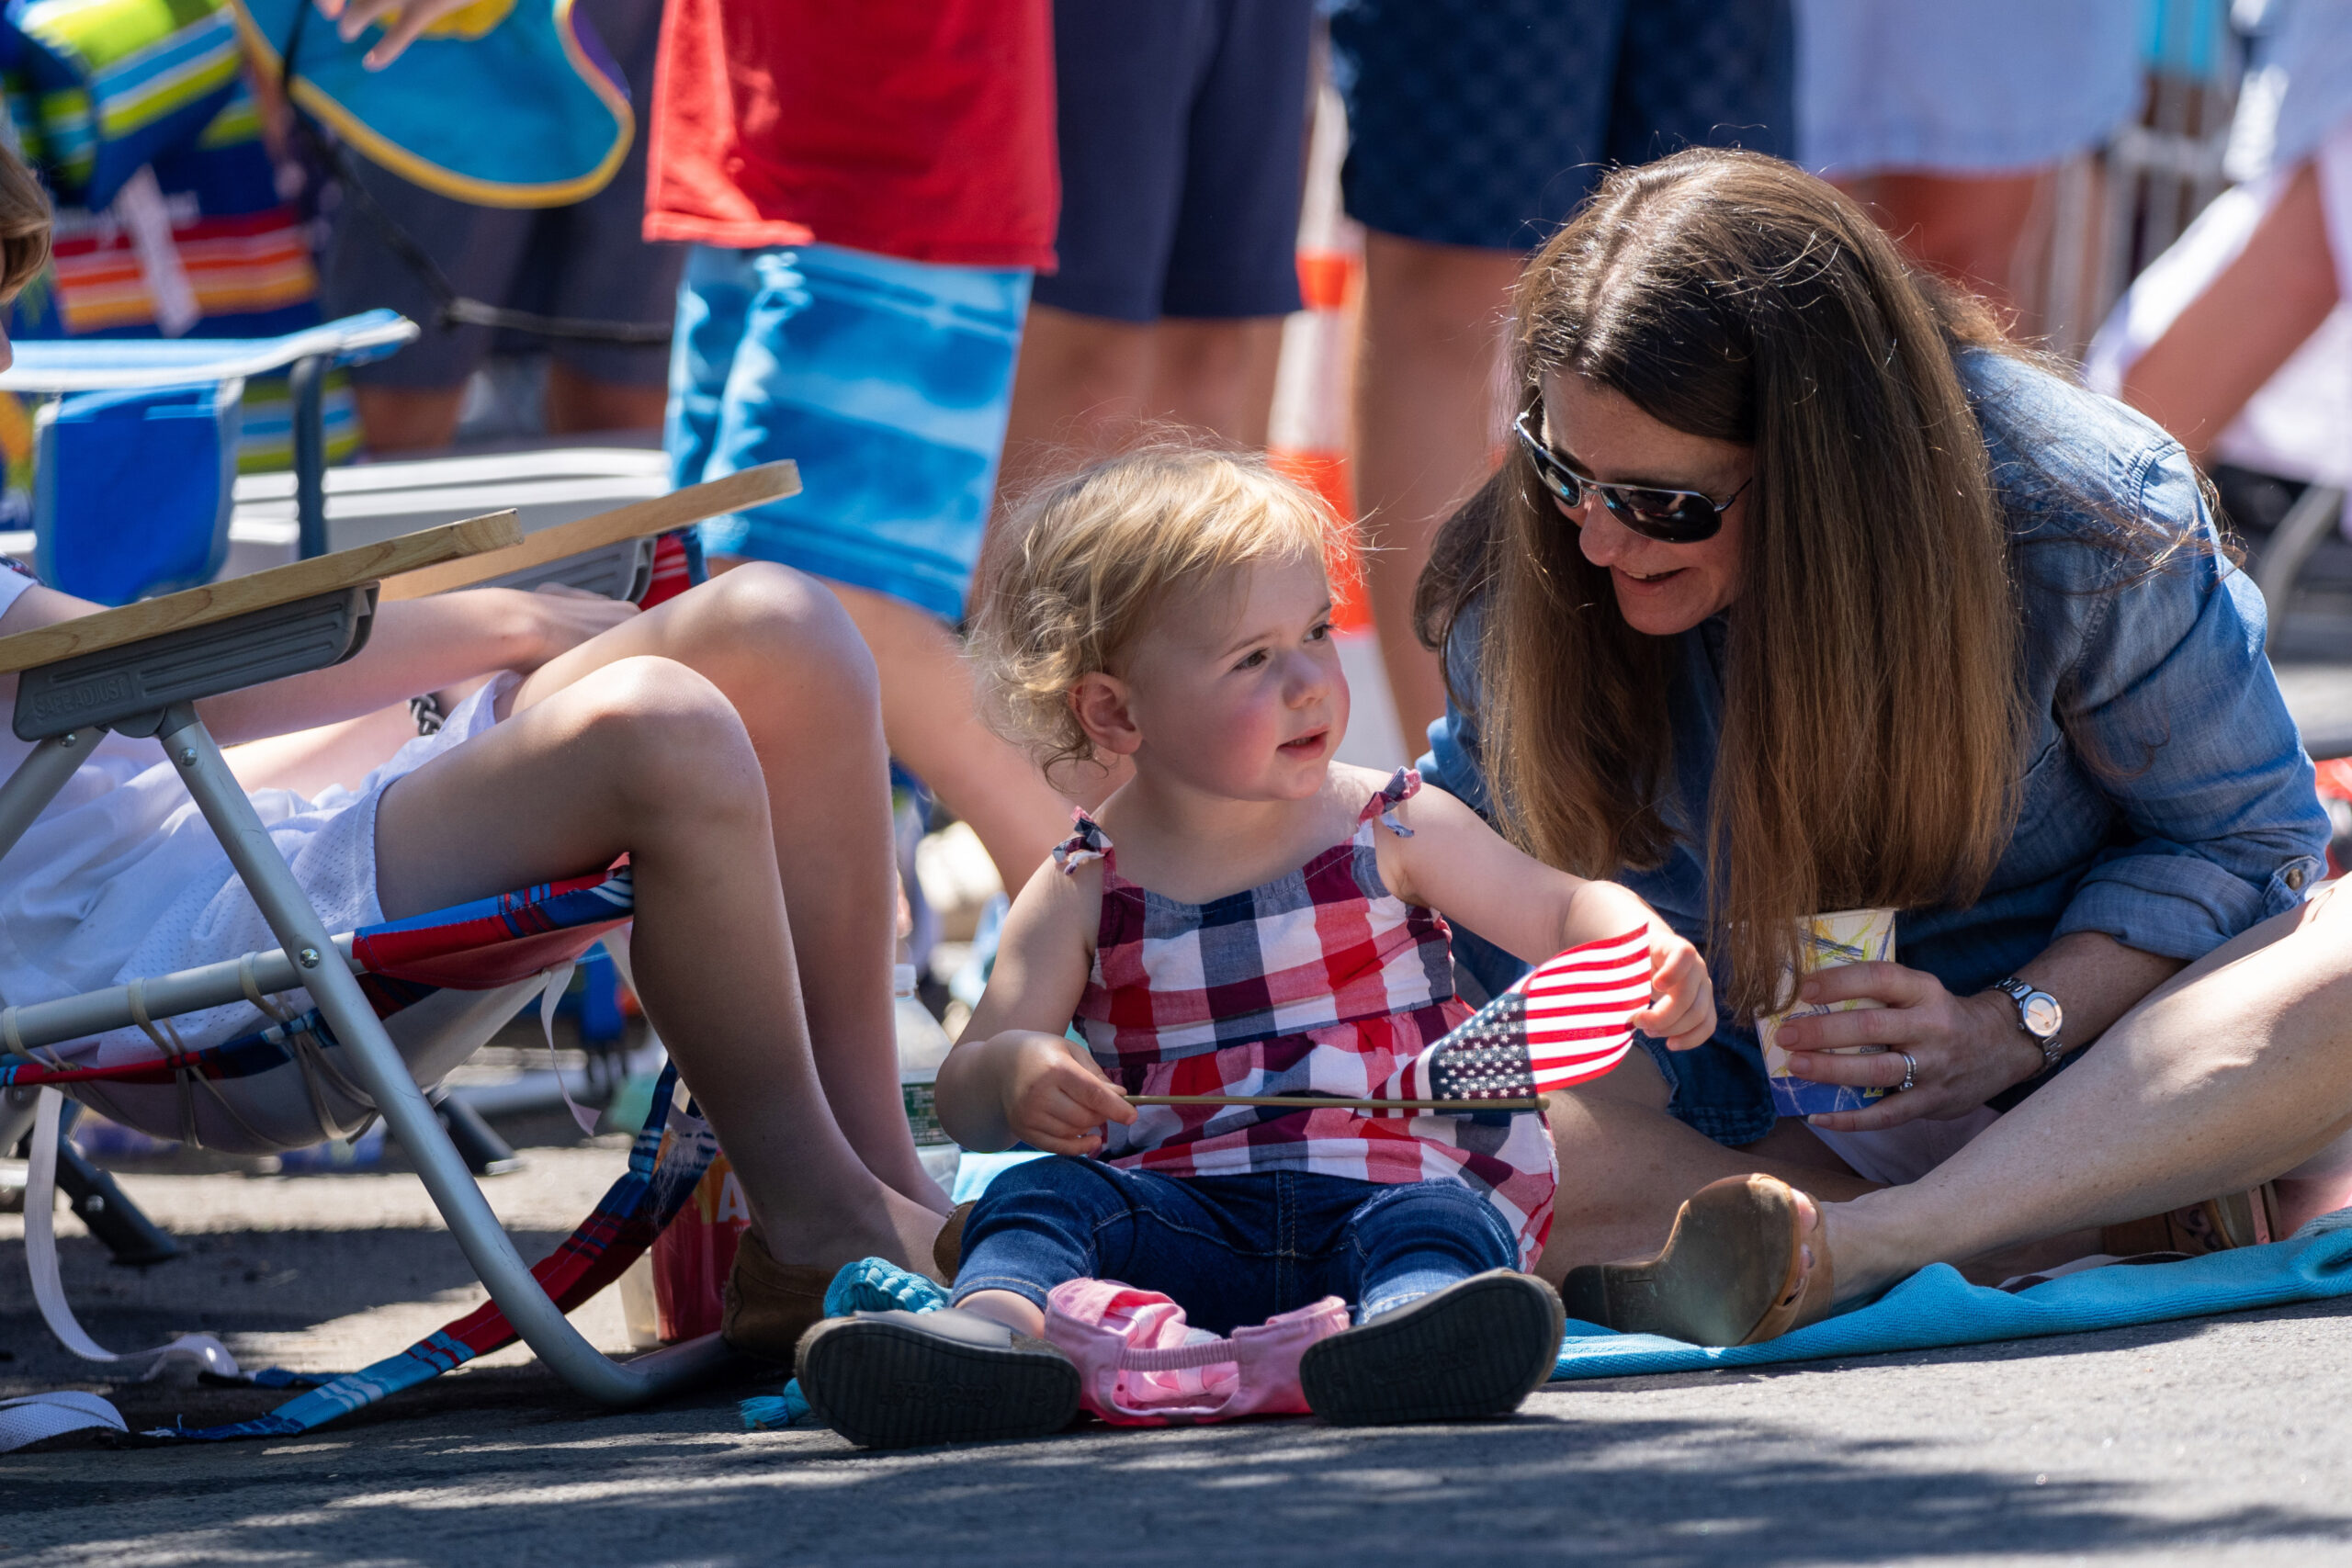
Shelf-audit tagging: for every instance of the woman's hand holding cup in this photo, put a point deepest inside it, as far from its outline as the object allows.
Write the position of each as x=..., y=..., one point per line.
x=1966, y=1049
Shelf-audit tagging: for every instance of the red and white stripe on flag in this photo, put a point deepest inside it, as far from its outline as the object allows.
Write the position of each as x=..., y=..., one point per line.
x=1580, y=1007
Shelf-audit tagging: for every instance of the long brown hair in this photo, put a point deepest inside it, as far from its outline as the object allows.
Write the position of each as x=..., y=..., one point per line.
x=1873, y=723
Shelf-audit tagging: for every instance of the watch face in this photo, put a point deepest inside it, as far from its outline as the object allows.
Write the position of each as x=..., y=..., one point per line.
x=2041, y=1015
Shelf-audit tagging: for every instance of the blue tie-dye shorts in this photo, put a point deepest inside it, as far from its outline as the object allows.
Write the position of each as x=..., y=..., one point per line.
x=887, y=380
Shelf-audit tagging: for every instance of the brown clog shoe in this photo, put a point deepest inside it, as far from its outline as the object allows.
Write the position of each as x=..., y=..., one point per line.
x=769, y=1306
x=1736, y=1269
x=947, y=1247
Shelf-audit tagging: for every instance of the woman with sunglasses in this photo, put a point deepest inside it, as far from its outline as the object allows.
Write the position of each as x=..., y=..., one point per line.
x=1801, y=590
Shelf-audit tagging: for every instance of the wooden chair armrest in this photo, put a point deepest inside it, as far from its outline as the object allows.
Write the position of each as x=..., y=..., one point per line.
x=491, y=532
x=714, y=498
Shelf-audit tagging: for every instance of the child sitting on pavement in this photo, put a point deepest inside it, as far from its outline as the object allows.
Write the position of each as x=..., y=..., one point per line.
x=1268, y=923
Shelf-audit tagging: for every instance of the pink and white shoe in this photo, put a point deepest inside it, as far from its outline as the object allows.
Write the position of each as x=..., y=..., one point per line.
x=1141, y=1365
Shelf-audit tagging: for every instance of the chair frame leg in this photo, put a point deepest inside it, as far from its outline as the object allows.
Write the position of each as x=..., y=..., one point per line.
x=2298, y=536
x=107, y=1213
x=377, y=1065
x=306, y=395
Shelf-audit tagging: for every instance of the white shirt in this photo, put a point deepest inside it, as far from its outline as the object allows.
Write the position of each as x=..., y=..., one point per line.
x=121, y=876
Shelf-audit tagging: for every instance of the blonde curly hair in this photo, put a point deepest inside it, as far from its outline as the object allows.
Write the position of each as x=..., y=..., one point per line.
x=1093, y=557
x=24, y=224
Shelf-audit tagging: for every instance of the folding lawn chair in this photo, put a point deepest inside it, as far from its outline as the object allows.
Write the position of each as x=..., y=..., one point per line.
x=216, y=368
x=454, y=975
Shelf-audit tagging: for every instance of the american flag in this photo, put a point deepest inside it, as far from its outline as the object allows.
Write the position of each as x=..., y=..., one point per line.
x=1567, y=1020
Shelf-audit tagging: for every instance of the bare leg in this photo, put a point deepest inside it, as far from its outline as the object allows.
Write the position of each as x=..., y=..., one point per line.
x=1088, y=384
x=789, y=662
x=1216, y=375
x=2230, y=1074
x=932, y=718
x=408, y=419
x=931, y=722
x=1968, y=227
x=644, y=755
x=2236, y=335
x=1426, y=429
x=1626, y=1167
x=577, y=405
x=308, y=761
x=1079, y=392
x=1017, y=1313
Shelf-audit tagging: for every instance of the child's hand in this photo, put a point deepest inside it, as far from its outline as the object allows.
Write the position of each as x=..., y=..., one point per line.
x=1683, y=1006
x=1682, y=1003
x=1053, y=1100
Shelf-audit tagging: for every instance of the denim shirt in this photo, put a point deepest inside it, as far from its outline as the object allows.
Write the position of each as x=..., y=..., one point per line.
x=2203, y=822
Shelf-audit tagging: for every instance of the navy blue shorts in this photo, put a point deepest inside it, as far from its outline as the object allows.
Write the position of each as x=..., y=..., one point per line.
x=1485, y=122
x=1182, y=127
x=589, y=260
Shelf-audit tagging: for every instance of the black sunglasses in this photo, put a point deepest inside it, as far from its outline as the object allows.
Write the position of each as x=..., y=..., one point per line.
x=1669, y=516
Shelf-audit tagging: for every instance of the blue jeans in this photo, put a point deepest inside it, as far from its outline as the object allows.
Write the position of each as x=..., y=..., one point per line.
x=1230, y=1251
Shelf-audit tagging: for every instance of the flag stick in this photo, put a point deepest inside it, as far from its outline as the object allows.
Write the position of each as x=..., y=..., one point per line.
x=1327, y=1102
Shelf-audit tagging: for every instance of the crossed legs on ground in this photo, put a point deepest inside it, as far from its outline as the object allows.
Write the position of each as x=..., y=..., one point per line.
x=730, y=742
x=1626, y=1167
x=2234, y=1072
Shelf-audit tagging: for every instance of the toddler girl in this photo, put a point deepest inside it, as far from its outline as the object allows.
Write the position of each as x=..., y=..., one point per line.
x=1243, y=916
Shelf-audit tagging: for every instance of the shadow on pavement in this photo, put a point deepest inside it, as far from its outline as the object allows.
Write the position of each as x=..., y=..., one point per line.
x=1565, y=1483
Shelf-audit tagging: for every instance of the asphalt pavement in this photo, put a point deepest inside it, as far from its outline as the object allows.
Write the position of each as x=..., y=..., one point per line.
x=2217, y=1441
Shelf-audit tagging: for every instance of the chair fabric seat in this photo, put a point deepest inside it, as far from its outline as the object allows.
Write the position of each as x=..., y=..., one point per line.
x=485, y=946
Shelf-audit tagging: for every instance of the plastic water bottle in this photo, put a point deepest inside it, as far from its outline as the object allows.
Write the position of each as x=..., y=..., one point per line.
x=922, y=1046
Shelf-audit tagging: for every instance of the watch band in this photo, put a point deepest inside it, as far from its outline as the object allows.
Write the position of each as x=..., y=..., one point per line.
x=2026, y=995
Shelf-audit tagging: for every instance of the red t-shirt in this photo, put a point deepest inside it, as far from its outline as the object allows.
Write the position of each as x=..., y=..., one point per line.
x=916, y=129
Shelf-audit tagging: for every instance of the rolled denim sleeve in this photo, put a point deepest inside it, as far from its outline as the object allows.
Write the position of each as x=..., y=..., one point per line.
x=2176, y=717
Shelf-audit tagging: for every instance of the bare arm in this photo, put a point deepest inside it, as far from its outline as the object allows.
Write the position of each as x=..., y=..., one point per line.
x=1012, y=1077
x=1459, y=866
x=414, y=646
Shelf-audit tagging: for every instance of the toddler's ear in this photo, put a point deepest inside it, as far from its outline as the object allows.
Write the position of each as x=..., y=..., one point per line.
x=1099, y=701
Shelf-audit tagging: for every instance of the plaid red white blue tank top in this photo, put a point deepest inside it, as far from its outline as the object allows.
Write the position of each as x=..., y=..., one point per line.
x=1321, y=981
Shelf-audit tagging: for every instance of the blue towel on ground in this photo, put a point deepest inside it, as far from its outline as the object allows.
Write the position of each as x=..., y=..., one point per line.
x=1936, y=1307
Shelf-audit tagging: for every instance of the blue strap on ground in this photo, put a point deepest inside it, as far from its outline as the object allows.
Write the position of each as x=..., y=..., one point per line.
x=666, y=1159
x=871, y=1284
x=1936, y=1307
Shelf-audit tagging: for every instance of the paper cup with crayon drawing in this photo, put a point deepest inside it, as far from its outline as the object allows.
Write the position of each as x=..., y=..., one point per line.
x=1825, y=941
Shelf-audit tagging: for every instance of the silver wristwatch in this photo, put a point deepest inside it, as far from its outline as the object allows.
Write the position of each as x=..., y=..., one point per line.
x=2039, y=1015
